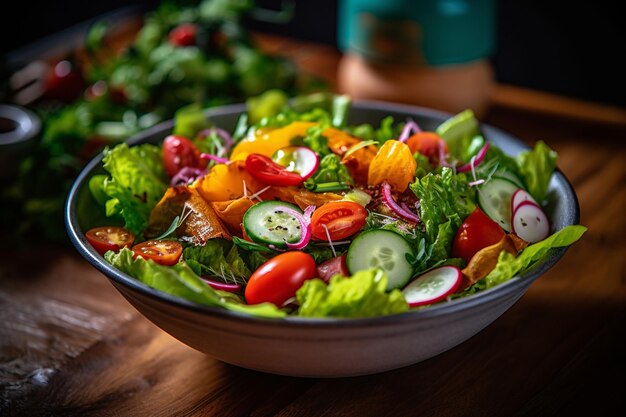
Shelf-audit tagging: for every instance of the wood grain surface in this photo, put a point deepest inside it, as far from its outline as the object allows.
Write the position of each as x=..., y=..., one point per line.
x=71, y=345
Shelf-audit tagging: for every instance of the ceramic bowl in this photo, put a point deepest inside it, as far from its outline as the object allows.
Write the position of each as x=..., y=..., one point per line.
x=321, y=347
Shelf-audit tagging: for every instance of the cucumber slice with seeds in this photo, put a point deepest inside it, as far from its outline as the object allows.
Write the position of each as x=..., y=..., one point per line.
x=381, y=249
x=266, y=223
x=494, y=198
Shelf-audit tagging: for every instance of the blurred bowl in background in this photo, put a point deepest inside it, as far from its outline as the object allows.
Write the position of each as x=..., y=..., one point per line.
x=19, y=129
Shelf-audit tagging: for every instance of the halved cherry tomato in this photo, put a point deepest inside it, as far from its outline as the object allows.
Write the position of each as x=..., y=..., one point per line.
x=108, y=238
x=477, y=232
x=342, y=218
x=183, y=35
x=180, y=152
x=428, y=144
x=163, y=252
x=264, y=169
x=334, y=266
x=278, y=279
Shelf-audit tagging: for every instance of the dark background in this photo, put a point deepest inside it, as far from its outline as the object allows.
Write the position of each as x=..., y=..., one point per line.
x=578, y=51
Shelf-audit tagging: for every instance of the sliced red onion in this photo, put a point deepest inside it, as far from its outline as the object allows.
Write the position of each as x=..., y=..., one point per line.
x=394, y=207
x=477, y=182
x=224, y=135
x=305, y=225
x=475, y=160
x=408, y=128
x=222, y=286
x=215, y=158
x=442, y=154
x=187, y=175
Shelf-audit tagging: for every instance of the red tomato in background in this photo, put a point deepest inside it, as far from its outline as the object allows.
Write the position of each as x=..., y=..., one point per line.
x=427, y=144
x=183, y=35
x=106, y=238
x=477, y=232
x=342, y=218
x=65, y=83
x=278, y=279
x=264, y=169
x=180, y=152
x=330, y=268
x=163, y=252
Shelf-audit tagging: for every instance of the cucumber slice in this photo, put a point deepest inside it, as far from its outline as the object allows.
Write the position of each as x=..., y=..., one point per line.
x=265, y=223
x=494, y=198
x=382, y=249
x=509, y=176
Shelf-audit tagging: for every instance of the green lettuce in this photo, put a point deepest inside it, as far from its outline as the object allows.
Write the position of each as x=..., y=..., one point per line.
x=181, y=281
x=218, y=258
x=462, y=134
x=330, y=170
x=444, y=197
x=362, y=295
x=387, y=130
x=509, y=266
x=536, y=167
x=137, y=183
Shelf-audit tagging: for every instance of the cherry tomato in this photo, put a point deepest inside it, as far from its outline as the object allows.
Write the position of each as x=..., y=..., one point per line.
x=163, y=252
x=180, y=152
x=184, y=35
x=108, y=238
x=264, y=169
x=342, y=218
x=477, y=232
x=427, y=144
x=278, y=279
x=330, y=268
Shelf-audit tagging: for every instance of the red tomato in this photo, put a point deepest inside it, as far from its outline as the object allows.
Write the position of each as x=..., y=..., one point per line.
x=180, y=152
x=278, y=279
x=477, y=232
x=427, y=144
x=108, y=238
x=264, y=169
x=184, y=35
x=330, y=268
x=163, y=252
x=342, y=218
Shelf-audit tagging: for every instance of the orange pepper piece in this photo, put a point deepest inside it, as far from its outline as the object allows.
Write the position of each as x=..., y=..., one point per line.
x=394, y=164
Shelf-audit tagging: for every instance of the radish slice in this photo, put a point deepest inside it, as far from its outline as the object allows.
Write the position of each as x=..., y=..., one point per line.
x=476, y=160
x=433, y=286
x=222, y=286
x=519, y=197
x=530, y=222
x=298, y=159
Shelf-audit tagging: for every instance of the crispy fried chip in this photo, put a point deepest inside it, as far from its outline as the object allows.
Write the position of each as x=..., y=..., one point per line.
x=200, y=223
x=483, y=262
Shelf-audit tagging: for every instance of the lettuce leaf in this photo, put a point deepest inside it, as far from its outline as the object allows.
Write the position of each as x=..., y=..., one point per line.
x=218, y=258
x=181, y=281
x=536, y=167
x=137, y=183
x=462, y=134
x=362, y=295
x=444, y=197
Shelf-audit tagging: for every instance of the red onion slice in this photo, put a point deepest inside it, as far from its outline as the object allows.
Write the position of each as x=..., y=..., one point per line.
x=224, y=135
x=394, y=207
x=186, y=175
x=222, y=286
x=475, y=160
x=408, y=128
x=305, y=225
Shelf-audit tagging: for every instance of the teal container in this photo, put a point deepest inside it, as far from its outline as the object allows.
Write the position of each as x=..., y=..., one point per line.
x=420, y=32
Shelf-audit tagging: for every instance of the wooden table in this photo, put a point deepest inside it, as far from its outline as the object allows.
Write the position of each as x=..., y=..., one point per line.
x=71, y=345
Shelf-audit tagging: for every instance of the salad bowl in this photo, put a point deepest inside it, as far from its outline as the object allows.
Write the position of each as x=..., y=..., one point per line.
x=321, y=347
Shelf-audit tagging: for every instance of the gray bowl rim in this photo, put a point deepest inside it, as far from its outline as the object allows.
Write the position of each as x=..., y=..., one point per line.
x=516, y=284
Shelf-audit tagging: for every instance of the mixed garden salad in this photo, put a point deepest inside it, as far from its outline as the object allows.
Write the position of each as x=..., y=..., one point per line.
x=297, y=213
